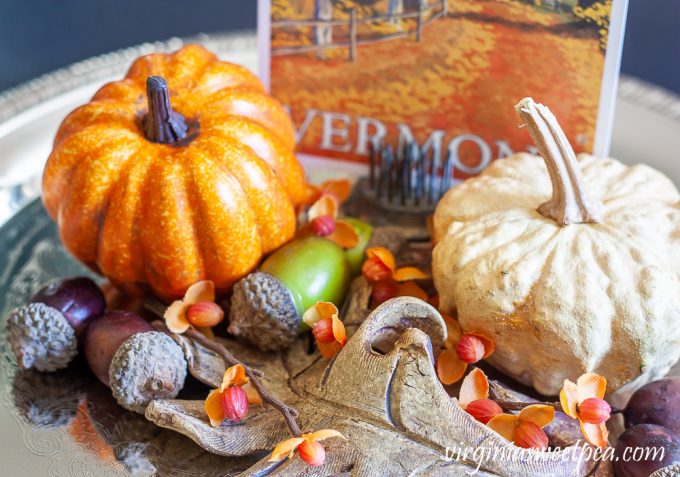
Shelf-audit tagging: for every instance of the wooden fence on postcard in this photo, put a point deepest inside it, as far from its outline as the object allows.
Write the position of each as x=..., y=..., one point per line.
x=322, y=29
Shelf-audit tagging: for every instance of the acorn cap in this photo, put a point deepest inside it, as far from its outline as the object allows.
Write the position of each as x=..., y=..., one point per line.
x=41, y=337
x=672, y=470
x=263, y=312
x=147, y=366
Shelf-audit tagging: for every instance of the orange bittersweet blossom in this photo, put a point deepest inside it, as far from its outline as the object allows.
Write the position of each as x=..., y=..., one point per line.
x=589, y=388
x=328, y=330
x=475, y=386
x=526, y=428
x=322, y=220
x=214, y=405
x=341, y=189
x=307, y=445
x=387, y=280
x=460, y=350
x=197, y=309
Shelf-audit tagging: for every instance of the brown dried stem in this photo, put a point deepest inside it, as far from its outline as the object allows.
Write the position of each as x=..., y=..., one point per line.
x=289, y=413
x=519, y=405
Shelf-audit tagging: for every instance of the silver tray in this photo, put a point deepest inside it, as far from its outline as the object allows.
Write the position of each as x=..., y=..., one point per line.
x=65, y=424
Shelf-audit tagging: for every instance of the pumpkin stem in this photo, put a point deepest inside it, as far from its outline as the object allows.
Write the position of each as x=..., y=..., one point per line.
x=161, y=123
x=570, y=204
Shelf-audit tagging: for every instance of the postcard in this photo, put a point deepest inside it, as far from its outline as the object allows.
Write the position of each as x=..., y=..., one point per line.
x=443, y=73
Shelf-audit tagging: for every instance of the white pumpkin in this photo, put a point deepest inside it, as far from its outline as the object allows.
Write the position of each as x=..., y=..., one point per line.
x=566, y=284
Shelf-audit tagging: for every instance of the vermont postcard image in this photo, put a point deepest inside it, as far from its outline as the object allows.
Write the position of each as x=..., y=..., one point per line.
x=445, y=73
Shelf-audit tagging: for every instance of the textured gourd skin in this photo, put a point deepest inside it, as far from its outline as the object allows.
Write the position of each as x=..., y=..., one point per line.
x=561, y=301
x=159, y=216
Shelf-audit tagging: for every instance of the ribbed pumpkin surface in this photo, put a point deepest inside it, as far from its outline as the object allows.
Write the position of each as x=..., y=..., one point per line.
x=147, y=214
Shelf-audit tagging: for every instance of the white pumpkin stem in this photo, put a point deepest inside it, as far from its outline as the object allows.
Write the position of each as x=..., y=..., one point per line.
x=570, y=204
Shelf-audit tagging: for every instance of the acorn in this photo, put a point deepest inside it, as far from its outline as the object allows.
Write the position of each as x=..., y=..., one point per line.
x=655, y=403
x=44, y=333
x=662, y=448
x=267, y=305
x=138, y=363
x=357, y=254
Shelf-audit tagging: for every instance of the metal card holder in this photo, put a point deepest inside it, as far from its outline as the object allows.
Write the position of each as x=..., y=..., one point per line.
x=407, y=178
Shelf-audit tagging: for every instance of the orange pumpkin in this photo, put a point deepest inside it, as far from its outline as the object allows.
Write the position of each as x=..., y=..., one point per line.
x=182, y=171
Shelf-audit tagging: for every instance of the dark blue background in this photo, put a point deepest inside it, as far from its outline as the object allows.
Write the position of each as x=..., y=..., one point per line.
x=37, y=36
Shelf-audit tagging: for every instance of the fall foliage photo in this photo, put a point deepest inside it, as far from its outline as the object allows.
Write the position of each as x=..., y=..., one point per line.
x=441, y=72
